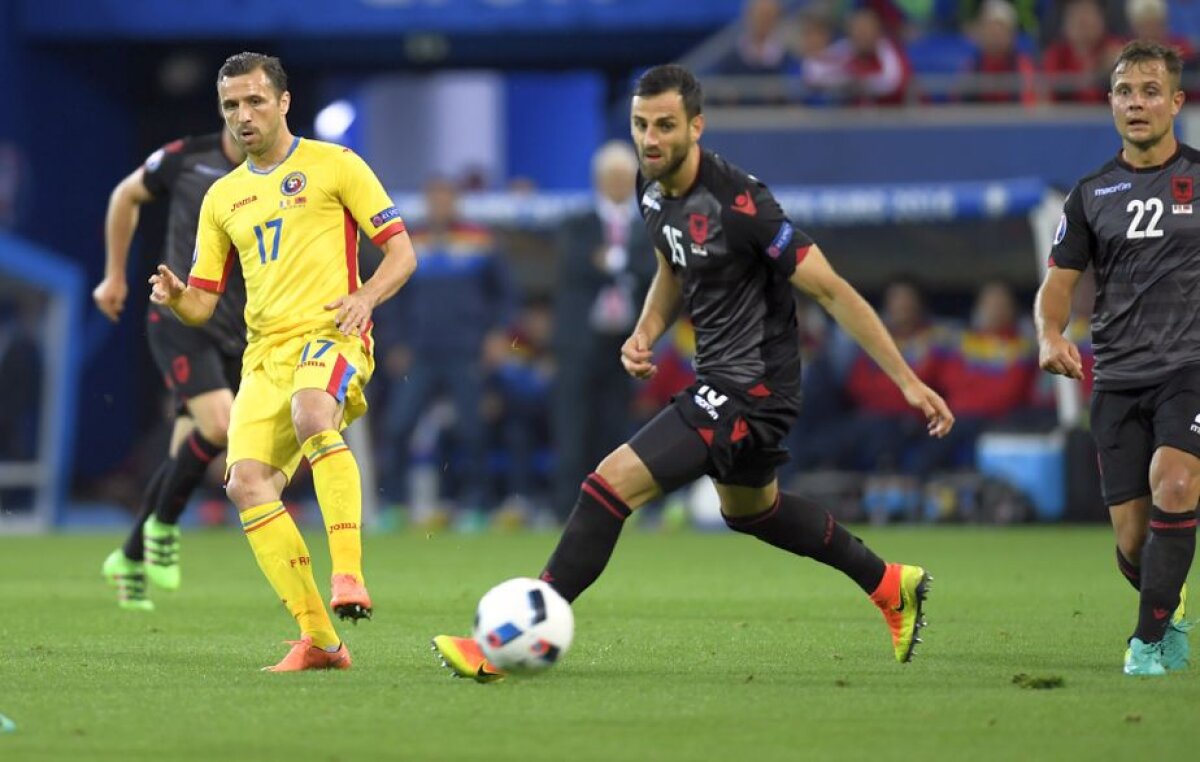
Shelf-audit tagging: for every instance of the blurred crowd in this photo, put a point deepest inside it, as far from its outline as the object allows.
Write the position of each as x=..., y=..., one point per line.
x=888, y=52
x=495, y=402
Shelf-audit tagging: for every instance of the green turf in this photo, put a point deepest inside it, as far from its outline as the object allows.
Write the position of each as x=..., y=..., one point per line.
x=691, y=647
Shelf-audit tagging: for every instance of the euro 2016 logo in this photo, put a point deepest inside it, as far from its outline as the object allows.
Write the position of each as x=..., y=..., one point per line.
x=293, y=184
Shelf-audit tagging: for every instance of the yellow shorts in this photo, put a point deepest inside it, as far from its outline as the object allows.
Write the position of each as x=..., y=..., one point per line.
x=260, y=425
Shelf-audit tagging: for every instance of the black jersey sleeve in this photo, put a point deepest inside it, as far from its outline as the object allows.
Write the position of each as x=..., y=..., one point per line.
x=756, y=223
x=1074, y=240
x=162, y=167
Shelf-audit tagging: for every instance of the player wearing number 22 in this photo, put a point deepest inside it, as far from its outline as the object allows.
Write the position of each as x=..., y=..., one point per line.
x=1134, y=223
x=728, y=255
x=291, y=214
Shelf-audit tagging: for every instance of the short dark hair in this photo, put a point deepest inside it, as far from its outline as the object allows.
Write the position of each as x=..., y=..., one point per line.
x=672, y=77
x=244, y=63
x=1145, y=51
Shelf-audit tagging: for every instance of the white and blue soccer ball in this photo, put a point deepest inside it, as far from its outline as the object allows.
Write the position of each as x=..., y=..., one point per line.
x=523, y=625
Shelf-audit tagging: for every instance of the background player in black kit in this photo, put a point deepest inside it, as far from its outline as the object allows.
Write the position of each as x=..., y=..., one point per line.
x=200, y=365
x=1134, y=223
x=728, y=254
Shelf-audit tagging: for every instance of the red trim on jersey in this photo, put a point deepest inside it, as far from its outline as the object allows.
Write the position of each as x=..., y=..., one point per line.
x=801, y=253
x=204, y=284
x=366, y=336
x=706, y=435
x=1050, y=261
x=759, y=390
x=396, y=228
x=350, y=228
x=213, y=285
x=229, y=257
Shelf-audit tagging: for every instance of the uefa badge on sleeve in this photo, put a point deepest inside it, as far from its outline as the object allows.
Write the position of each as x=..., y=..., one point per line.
x=1181, y=193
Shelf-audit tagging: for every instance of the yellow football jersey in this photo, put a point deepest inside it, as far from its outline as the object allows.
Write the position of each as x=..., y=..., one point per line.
x=295, y=230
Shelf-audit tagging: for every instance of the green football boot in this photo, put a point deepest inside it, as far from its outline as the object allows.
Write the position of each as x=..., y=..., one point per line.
x=129, y=577
x=162, y=553
x=1176, y=651
x=1144, y=659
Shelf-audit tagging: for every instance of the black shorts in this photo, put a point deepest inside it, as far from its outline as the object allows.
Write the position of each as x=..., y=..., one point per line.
x=733, y=436
x=1130, y=424
x=190, y=361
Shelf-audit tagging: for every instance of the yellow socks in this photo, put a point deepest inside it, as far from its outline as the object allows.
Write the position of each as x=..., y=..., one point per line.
x=339, y=491
x=283, y=557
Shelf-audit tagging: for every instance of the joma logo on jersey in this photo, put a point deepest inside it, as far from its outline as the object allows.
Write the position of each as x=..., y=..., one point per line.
x=243, y=202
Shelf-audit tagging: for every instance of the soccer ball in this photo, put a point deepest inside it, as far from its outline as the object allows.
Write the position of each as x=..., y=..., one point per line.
x=523, y=625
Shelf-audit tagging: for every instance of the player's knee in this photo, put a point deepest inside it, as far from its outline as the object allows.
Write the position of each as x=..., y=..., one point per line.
x=628, y=477
x=1176, y=489
x=246, y=490
x=1130, y=539
x=215, y=430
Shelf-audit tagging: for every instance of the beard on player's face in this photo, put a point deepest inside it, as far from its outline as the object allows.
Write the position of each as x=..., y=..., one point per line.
x=668, y=159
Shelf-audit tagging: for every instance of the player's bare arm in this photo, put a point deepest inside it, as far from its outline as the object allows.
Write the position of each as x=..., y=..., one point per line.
x=120, y=222
x=193, y=306
x=1051, y=314
x=354, y=310
x=658, y=313
x=816, y=277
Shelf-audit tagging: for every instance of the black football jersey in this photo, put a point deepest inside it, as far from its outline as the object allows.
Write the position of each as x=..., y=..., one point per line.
x=732, y=247
x=1139, y=231
x=182, y=171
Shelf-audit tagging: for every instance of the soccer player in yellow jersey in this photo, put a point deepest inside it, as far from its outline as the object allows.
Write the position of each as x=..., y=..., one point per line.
x=291, y=215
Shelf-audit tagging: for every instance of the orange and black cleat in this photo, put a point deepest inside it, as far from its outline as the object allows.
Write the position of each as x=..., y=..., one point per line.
x=350, y=598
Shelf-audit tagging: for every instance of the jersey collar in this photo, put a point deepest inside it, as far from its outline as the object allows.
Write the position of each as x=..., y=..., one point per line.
x=276, y=165
x=1142, y=170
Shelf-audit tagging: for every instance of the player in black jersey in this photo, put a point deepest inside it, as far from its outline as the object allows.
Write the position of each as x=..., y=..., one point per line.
x=201, y=366
x=727, y=254
x=1133, y=222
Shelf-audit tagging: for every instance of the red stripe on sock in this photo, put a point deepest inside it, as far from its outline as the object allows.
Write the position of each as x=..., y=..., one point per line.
x=1189, y=524
x=600, y=498
x=326, y=455
x=198, y=451
x=749, y=521
x=268, y=521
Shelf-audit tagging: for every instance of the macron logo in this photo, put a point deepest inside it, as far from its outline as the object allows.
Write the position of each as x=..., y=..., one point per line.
x=1195, y=427
x=1113, y=189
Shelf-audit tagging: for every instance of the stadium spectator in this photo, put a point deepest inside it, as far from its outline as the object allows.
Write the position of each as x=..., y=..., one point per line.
x=821, y=67
x=987, y=374
x=1080, y=60
x=760, y=47
x=1029, y=14
x=1007, y=73
x=520, y=376
x=459, y=300
x=883, y=424
x=875, y=68
x=605, y=267
x=1148, y=20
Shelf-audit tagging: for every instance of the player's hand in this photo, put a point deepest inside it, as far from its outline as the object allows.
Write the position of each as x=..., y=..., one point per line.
x=1061, y=357
x=938, y=418
x=166, y=287
x=353, y=313
x=110, y=295
x=636, y=355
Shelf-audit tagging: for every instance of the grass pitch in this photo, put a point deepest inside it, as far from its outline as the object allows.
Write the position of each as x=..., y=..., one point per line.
x=691, y=647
